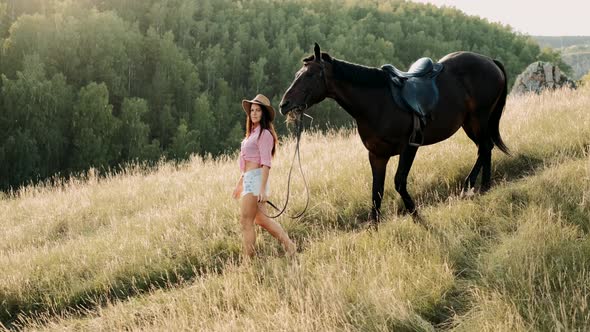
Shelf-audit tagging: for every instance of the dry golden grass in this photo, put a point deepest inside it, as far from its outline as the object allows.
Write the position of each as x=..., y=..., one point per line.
x=159, y=250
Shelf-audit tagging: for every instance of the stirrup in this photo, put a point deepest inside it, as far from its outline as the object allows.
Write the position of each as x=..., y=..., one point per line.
x=416, y=130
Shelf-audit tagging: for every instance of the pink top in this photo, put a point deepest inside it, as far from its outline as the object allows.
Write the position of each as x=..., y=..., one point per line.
x=258, y=150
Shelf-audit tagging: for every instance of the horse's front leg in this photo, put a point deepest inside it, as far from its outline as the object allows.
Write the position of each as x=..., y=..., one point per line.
x=406, y=158
x=378, y=168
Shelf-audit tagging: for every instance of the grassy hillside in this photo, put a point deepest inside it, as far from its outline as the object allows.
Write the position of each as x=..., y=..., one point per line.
x=575, y=51
x=562, y=41
x=578, y=57
x=159, y=250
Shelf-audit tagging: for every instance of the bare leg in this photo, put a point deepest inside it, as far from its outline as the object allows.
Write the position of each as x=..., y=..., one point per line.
x=248, y=208
x=275, y=229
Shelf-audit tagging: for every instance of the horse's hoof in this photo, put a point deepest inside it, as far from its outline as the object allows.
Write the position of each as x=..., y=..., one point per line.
x=467, y=193
x=415, y=215
x=370, y=225
x=372, y=218
x=411, y=210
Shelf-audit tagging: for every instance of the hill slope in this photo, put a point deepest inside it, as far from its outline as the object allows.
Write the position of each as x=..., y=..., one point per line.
x=575, y=51
x=158, y=250
x=578, y=57
x=562, y=41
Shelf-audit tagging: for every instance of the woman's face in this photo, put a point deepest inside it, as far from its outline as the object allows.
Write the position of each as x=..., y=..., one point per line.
x=255, y=113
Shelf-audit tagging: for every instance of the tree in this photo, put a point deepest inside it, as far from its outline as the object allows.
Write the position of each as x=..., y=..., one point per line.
x=173, y=84
x=89, y=47
x=184, y=143
x=257, y=74
x=550, y=55
x=39, y=109
x=4, y=21
x=203, y=122
x=19, y=160
x=133, y=132
x=93, y=129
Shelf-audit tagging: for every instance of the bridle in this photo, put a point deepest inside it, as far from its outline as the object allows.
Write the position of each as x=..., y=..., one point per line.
x=298, y=131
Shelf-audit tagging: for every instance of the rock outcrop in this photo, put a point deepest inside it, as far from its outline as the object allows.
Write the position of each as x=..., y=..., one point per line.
x=539, y=76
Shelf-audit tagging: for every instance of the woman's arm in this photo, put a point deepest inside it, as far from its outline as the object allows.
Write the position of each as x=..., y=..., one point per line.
x=239, y=187
x=262, y=197
x=265, y=144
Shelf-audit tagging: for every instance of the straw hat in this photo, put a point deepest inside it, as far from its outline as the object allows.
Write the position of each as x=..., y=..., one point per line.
x=262, y=101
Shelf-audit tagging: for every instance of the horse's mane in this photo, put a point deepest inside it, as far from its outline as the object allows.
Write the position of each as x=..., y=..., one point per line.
x=354, y=73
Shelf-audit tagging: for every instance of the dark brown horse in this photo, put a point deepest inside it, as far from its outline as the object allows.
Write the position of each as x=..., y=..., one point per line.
x=472, y=95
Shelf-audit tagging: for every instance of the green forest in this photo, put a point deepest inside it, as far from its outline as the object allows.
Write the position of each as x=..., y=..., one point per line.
x=104, y=83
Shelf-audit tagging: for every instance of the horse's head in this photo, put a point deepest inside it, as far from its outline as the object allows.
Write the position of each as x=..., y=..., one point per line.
x=308, y=88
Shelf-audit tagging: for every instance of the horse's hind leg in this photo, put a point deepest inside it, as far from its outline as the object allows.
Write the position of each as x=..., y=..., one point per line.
x=485, y=153
x=472, y=177
x=406, y=158
x=484, y=143
x=472, y=132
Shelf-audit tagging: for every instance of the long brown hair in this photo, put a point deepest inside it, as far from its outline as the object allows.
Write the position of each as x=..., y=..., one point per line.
x=264, y=124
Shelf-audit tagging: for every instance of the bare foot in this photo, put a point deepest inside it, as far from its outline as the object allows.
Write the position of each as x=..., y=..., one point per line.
x=290, y=249
x=245, y=261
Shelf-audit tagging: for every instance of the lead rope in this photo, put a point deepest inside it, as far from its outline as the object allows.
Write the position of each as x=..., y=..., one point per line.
x=299, y=130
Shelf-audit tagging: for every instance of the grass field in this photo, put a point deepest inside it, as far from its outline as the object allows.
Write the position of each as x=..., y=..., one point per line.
x=159, y=250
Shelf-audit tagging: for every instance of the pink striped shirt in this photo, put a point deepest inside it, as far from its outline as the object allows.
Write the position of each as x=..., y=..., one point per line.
x=258, y=150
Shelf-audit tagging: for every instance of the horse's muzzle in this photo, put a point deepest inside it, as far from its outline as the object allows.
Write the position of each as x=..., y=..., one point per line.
x=286, y=107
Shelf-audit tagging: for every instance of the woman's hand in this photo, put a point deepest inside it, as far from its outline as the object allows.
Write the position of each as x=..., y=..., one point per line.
x=237, y=191
x=262, y=197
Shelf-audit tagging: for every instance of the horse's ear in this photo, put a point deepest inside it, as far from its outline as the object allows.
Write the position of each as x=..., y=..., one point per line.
x=316, y=51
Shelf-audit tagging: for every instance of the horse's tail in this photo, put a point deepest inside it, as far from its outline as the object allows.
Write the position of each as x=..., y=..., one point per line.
x=494, y=121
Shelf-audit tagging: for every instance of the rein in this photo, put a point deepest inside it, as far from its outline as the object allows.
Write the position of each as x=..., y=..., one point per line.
x=299, y=130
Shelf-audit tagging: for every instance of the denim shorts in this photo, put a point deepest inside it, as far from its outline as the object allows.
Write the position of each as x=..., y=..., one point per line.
x=252, y=181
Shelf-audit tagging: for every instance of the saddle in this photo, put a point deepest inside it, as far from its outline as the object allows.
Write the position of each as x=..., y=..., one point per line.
x=416, y=92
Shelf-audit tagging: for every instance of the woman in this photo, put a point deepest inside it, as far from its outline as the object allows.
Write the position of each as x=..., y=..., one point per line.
x=256, y=153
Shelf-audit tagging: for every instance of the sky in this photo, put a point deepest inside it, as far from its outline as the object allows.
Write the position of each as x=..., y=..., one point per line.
x=532, y=17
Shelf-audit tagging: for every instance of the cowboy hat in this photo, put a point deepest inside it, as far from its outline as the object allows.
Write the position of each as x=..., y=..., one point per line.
x=262, y=101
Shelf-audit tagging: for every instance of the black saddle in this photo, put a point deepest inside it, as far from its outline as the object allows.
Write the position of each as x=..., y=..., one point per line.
x=421, y=67
x=415, y=90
